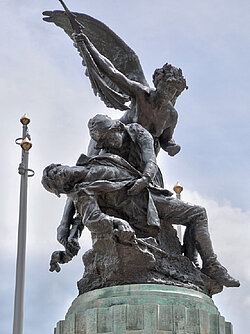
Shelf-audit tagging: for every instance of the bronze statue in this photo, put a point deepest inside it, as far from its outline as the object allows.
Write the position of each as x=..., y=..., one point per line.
x=117, y=190
x=103, y=188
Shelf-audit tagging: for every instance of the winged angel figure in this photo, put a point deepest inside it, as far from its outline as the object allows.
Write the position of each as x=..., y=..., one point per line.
x=117, y=77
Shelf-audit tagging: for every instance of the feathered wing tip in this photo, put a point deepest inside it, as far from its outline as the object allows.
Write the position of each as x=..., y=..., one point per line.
x=110, y=46
x=110, y=97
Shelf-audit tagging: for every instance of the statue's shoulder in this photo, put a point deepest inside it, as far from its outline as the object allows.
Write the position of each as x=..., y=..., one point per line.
x=137, y=128
x=138, y=133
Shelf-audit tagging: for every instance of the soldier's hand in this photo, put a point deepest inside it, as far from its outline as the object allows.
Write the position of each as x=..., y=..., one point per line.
x=138, y=186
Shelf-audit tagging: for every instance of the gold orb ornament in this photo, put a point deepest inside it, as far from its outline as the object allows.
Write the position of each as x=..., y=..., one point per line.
x=178, y=188
x=26, y=144
x=25, y=120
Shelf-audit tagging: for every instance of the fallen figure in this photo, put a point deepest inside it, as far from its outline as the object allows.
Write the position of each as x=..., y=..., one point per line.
x=99, y=191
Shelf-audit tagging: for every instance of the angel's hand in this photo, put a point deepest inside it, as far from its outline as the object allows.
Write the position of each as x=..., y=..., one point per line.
x=138, y=186
x=78, y=38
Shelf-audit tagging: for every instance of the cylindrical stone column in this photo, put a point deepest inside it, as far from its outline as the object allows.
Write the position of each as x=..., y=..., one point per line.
x=144, y=309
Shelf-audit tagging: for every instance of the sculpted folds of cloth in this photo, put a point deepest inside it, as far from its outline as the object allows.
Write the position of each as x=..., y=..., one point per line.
x=117, y=189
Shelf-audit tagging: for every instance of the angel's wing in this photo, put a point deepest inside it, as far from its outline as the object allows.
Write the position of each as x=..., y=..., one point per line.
x=109, y=45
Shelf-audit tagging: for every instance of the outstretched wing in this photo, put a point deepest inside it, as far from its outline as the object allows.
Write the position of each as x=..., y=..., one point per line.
x=109, y=45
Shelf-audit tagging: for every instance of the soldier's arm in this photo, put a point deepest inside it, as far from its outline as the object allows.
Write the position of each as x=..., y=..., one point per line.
x=146, y=144
x=63, y=229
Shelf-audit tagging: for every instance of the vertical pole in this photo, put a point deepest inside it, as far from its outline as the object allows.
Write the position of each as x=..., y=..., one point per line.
x=21, y=246
x=178, y=189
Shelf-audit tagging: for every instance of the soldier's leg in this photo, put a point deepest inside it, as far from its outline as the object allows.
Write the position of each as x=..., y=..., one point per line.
x=189, y=247
x=100, y=223
x=195, y=217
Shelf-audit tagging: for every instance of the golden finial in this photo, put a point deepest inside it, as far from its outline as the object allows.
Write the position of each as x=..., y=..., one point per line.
x=178, y=189
x=25, y=120
x=26, y=144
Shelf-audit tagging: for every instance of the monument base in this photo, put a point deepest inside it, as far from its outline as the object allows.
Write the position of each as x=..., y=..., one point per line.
x=145, y=309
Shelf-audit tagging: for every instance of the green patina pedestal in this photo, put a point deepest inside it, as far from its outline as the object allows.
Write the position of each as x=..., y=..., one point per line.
x=143, y=308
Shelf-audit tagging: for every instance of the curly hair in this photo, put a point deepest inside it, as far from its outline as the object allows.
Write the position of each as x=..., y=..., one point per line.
x=168, y=72
x=49, y=183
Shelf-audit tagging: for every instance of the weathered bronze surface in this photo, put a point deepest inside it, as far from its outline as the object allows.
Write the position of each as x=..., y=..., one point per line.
x=117, y=189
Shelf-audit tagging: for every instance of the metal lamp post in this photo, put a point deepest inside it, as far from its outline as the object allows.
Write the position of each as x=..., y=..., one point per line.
x=178, y=189
x=23, y=170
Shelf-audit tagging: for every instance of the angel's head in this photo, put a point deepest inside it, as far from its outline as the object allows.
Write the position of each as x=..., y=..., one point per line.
x=169, y=78
x=106, y=131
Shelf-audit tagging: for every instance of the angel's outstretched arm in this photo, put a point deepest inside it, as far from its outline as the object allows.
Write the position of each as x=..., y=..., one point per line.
x=129, y=87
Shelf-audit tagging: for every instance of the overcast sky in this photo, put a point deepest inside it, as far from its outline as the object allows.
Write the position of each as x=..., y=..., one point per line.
x=41, y=74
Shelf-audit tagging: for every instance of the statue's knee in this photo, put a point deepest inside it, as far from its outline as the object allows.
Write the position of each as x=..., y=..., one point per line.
x=203, y=210
x=200, y=210
x=198, y=216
